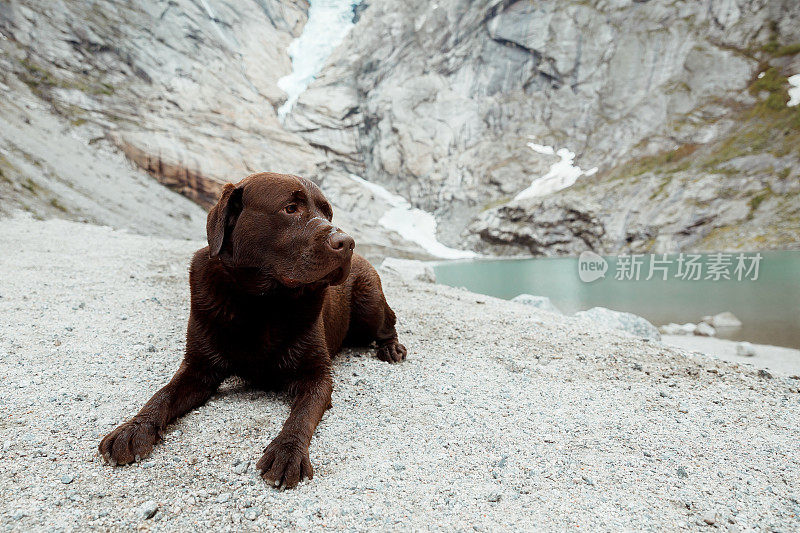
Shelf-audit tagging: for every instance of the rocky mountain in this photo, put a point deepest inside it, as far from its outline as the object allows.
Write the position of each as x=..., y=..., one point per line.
x=180, y=89
x=453, y=107
x=101, y=97
x=438, y=101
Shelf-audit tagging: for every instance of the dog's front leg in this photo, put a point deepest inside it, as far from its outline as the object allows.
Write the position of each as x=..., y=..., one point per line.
x=285, y=461
x=190, y=387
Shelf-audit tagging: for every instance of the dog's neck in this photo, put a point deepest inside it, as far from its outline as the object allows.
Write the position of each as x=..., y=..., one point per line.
x=234, y=291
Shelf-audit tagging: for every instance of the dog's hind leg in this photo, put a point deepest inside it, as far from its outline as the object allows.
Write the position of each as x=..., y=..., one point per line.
x=389, y=348
x=371, y=318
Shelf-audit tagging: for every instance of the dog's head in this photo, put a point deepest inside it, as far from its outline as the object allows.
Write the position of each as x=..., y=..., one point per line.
x=278, y=228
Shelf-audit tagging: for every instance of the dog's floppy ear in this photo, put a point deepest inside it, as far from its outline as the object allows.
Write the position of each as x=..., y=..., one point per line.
x=222, y=218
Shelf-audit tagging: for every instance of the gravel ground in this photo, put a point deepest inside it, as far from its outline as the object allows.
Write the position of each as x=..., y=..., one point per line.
x=504, y=417
x=776, y=359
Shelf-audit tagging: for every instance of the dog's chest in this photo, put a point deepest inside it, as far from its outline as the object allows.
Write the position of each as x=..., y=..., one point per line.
x=260, y=350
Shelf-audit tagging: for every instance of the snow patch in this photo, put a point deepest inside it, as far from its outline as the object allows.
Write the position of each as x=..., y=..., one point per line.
x=541, y=149
x=560, y=176
x=412, y=224
x=328, y=23
x=794, y=90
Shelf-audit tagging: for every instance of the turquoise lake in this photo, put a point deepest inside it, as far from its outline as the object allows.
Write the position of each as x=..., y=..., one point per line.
x=768, y=306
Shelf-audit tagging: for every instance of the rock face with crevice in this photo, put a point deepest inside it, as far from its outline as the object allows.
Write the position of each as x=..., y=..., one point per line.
x=437, y=102
x=546, y=227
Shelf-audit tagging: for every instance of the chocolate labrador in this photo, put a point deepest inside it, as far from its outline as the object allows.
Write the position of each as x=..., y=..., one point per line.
x=274, y=296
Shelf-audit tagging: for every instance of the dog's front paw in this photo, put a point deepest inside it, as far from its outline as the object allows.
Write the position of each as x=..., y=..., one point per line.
x=285, y=463
x=392, y=352
x=130, y=442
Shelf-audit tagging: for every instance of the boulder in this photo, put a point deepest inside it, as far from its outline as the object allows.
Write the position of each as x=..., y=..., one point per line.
x=723, y=320
x=670, y=329
x=540, y=302
x=705, y=330
x=678, y=329
x=745, y=349
x=610, y=319
x=409, y=269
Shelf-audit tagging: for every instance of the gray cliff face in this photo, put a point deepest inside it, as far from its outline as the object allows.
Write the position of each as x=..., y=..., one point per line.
x=99, y=96
x=749, y=202
x=185, y=89
x=437, y=102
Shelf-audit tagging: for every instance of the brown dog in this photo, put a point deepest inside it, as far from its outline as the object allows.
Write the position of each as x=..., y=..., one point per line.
x=274, y=296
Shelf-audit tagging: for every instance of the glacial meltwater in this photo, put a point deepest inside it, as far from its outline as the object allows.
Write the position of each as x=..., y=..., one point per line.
x=767, y=301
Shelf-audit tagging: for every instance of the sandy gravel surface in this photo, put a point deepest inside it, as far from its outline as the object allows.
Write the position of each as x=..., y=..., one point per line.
x=504, y=417
x=777, y=359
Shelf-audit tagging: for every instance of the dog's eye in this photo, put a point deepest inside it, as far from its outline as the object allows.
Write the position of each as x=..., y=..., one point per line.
x=291, y=208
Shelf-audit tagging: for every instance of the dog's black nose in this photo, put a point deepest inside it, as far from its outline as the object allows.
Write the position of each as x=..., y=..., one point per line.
x=341, y=242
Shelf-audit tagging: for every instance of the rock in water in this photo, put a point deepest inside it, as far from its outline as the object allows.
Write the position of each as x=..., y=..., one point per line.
x=633, y=324
x=540, y=302
x=670, y=329
x=723, y=320
x=705, y=330
x=689, y=328
x=678, y=329
x=745, y=349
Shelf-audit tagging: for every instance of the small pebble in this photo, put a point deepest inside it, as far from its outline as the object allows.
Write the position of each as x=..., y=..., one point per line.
x=66, y=479
x=252, y=513
x=241, y=468
x=745, y=349
x=148, y=509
